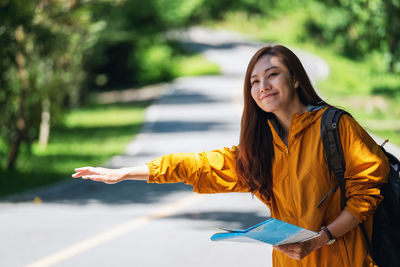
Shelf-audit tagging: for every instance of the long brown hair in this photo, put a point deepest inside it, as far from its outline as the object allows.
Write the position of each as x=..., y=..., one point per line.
x=256, y=151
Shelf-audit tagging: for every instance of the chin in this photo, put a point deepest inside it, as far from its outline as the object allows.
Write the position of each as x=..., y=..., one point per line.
x=269, y=108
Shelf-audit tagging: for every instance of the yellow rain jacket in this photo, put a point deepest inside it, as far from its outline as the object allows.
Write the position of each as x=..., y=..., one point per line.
x=300, y=180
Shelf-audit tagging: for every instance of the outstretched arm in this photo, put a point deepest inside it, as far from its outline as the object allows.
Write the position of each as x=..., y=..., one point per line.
x=112, y=176
x=207, y=172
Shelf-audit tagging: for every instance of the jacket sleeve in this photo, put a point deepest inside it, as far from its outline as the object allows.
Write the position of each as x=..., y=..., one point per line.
x=207, y=172
x=367, y=168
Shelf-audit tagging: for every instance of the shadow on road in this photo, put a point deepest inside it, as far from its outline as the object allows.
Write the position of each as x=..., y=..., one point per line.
x=83, y=192
x=181, y=97
x=187, y=126
x=202, y=47
x=233, y=220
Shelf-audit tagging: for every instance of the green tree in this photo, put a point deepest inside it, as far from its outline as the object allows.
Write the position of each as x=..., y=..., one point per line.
x=358, y=27
x=42, y=45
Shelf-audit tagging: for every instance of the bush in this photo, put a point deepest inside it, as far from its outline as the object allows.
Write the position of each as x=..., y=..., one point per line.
x=155, y=64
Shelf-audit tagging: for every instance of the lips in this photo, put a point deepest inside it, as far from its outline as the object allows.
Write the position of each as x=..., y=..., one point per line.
x=268, y=95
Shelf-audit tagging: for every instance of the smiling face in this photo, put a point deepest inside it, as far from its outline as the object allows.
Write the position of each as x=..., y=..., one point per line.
x=273, y=88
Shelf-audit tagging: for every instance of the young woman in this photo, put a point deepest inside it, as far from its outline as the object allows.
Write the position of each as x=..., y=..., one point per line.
x=280, y=159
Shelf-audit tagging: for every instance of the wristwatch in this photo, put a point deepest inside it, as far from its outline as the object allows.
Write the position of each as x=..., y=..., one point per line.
x=332, y=239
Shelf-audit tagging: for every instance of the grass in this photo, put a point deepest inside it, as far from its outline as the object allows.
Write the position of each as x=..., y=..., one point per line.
x=363, y=87
x=195, y=65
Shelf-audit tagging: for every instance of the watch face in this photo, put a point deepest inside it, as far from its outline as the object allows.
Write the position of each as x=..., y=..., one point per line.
x=330, y=242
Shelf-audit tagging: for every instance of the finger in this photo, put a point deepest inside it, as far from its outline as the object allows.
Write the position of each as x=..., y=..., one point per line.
x=279, y=248
x=287, y=248
x=88, y=176
x=100, y=178
x=89, y=171
x=291, y=250
x=110, y=182
x=81, y=173
x=83, y=169
x=288, y=245
x=76, y=175
x=94, y=177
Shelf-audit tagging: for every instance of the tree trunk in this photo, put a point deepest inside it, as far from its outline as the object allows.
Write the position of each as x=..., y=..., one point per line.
x=14, y=148
x=391, y=65
x=74, y=97
x=392, y=50
x=392, y=32
x=44, y=132
x=16, y=138
x=18, y=135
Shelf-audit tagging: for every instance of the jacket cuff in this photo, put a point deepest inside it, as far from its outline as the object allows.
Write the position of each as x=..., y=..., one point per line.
x=362, y=209
x=153, y=170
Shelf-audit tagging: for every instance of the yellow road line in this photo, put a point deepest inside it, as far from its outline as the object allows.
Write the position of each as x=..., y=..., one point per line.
x=115, y=232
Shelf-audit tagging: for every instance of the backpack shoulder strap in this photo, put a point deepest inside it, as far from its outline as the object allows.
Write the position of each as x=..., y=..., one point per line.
x=334, y=155
x=333, y=147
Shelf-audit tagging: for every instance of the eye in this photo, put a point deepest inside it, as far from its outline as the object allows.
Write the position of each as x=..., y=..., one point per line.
x=254, y=82
x=272, y=74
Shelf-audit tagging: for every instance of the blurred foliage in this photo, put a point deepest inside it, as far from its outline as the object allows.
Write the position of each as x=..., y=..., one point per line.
x=134, y=49
x=357, y=28
x=42, y=44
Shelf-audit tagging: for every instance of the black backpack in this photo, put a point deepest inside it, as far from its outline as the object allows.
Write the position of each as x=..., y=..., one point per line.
x=385, y=244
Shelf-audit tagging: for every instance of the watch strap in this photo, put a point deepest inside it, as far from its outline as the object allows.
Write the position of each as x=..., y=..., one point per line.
x=330, y=235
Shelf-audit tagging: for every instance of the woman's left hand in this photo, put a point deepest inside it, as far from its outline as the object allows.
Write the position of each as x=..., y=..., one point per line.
x=299, y=250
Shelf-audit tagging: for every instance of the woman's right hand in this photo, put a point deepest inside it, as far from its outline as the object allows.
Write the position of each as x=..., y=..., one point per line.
x=112, y=176
x=108, y=176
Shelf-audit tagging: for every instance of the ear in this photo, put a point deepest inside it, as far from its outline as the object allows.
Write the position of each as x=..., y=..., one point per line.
x=295, y=83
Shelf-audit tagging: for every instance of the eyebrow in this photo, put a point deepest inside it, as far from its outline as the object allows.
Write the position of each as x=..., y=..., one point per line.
x=272, y=67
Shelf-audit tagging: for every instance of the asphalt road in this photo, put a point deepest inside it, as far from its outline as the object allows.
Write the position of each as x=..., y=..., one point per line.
x=83, y=223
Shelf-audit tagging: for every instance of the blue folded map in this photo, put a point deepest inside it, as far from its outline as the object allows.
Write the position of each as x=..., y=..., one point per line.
x=271, y=231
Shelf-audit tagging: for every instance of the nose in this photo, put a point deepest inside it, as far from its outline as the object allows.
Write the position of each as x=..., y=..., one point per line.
x=265, y=86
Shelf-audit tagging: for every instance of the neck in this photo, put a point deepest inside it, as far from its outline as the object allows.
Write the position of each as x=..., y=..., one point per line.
x=285, y=117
